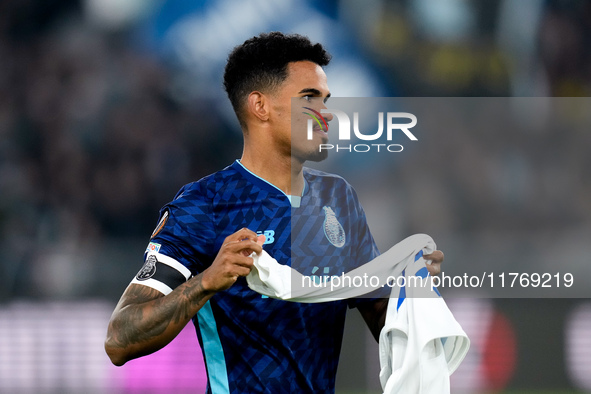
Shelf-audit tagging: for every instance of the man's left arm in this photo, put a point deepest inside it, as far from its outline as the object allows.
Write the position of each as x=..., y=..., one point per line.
x=374, y=313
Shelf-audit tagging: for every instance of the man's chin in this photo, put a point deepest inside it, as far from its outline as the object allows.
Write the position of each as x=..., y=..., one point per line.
x=317, y=156
x=311, y=152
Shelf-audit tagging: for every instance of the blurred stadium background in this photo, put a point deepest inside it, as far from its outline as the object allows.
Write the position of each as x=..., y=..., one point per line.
x=107, y=107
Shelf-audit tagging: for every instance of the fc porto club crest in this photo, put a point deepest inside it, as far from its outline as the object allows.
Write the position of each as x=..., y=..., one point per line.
x=149, y=268
x=332, y=228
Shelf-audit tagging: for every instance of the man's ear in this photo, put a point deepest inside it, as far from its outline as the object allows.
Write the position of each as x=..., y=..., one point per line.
x=258, y=105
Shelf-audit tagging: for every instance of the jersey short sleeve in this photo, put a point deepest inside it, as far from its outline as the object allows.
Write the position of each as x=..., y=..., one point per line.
x=181, y=243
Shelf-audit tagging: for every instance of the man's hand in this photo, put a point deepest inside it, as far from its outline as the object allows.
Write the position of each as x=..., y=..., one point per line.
x=232, y=260
x=436, y=259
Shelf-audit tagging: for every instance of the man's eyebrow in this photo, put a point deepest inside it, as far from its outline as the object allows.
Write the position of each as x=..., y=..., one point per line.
x=315, y=92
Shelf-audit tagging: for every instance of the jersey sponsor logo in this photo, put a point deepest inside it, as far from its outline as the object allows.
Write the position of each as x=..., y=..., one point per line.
x=161, y=224
x=149, y=268
x=269, y=236
x=332, y=228
x=153, y=247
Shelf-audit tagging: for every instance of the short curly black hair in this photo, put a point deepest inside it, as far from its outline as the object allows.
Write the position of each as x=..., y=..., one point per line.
x=260, y=63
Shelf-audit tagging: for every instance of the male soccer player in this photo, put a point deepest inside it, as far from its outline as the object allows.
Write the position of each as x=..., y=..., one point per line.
x=199, y=252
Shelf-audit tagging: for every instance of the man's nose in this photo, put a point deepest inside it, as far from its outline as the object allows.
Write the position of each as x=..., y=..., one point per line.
x=326, y=115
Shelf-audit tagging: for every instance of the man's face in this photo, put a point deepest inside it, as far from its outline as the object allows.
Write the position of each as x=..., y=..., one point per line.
x=306, y=84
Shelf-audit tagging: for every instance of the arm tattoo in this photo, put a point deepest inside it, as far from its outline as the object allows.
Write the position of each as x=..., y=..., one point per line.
x=124, y=332
x=190, y=297
x=144, y=313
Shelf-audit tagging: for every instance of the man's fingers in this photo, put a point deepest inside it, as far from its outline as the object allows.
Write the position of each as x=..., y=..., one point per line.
x=246, y=245
x=435, y=257
x=240, y=235
x=244, y=241
x=434, y=269
x=260, y=241
x=244, y=261
x=242, y=271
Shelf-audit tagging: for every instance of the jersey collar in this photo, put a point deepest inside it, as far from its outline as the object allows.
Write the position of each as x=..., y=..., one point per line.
x=295, y=201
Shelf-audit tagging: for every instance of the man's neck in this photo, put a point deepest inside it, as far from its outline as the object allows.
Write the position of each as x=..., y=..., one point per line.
x=285, y=173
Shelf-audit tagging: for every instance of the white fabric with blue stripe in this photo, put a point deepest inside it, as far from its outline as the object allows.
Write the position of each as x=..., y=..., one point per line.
x=421, y=344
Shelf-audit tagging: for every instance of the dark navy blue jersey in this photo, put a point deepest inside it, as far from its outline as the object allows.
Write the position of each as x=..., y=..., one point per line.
x=251, y=343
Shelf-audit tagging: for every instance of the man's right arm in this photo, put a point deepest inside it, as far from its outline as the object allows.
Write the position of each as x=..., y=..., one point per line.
x=145, y=320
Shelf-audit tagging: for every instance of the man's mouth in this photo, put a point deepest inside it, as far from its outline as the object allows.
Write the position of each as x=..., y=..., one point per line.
x=320, y=130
